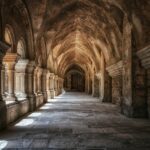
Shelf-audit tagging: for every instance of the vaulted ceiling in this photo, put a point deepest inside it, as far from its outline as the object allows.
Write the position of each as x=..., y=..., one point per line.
x=68, y=32
x=77, y=31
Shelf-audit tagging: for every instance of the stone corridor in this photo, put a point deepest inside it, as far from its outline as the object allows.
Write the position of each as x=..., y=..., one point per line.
x=76, y=121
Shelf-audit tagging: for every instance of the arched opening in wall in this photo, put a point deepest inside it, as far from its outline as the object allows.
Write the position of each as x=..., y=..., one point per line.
x=20, y=71
x=21, y=48
x=9, y=37
x=74, y=79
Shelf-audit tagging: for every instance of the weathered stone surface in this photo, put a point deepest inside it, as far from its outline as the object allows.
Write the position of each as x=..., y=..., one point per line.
x=144, y=55
x=100, y=47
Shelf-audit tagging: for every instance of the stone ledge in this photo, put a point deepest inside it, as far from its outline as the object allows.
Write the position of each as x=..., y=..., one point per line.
x=115, y=69
x=144, y=56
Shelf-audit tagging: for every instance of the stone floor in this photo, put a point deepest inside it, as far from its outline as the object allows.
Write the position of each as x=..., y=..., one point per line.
x=75, y=121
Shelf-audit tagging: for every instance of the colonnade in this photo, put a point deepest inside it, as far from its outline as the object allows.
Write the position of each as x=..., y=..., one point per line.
x=24, y=87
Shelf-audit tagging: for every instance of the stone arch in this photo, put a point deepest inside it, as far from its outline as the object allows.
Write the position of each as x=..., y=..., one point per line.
x=9, y=37
x=74, y=78
x=18, y=10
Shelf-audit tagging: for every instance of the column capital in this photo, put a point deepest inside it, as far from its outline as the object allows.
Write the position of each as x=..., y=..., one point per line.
x=56, y=77
x=21, y=65
x=144, y=56
x=52, y=75
x=31, y=66
x=11, y=58
x=3, y=49
x=115, y=70
x=39, y=70
x=98, y=75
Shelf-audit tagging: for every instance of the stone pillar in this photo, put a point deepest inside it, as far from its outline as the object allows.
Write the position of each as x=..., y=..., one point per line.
x=105, y=82
x=90, y=85
x=2, y=81
x=39, y=81
x=48, y=85
x=3, y=107
x=87, y=83
x=56, y=85
x=30, y=85
x=95, y=86
x=38, y=86
x=134, y=85
x=115, y=71
x=45, y=84
x=144, y=55
x=35, y=82
x=52, y=91
x=9, y=62
x=3, y=110
x=60, y=85
x=20, y=79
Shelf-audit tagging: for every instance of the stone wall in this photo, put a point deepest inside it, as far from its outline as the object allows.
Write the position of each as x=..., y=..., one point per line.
x=144, y=56
x=117, y=90
x=115, y=72
x=148, y=90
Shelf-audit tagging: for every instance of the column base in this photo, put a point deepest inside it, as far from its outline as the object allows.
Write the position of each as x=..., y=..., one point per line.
x=56, y=92
x=134, y=112
x=52, y=94
x=21, y=96
x=10, y=98
x=39, y=100
x=45, y=96
x=48, y=95
x=32, y=102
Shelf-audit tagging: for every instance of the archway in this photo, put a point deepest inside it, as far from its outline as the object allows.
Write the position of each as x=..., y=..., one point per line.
x=9, y=37
x=74, y=79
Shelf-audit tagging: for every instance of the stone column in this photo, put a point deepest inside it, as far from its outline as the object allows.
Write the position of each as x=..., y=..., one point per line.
x=100, y=86
x=2, y=82
x=38, y=86
x=3, y=110
x=56, y=85
x=105, y=82
x=3, y=107
x=134, y=83
x=30, y=85
x=148, y=91
x=87, y=83
x=144, y=56
x=45, y=84
x=35, y=82
x=20, y=76
x=52, y=91
x=95, y=86
x=60, y=85
x=90, y=85
x=48, y=85
x=39, y=81
x=9, y=62
x=115, y=71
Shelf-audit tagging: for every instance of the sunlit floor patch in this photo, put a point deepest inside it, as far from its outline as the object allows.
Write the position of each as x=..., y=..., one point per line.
x=25, y=122
x=36, y=114
x=44, y=107
x=3, y=144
